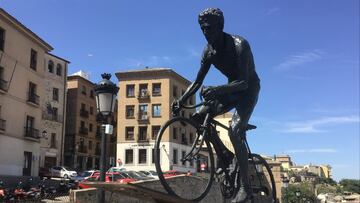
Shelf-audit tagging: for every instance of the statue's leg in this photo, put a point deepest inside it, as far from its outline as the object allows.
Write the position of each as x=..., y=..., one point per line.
x=237, y=136
x=226, y=156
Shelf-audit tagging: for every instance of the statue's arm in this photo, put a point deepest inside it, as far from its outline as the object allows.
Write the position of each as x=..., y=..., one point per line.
x=204, y=69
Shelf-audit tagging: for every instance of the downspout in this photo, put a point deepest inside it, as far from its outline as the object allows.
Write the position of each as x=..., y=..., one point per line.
x=64, y=115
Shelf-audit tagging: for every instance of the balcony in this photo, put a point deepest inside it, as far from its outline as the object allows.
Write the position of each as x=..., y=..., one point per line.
x=144, y=94
x=143, y=117
x=143, y=138
x=84, y=113
x=83, y=149
x=33, y=98
x=52, y=117
x=2, y=125
x=83, y=131
x=3, y=85
x=32, y=133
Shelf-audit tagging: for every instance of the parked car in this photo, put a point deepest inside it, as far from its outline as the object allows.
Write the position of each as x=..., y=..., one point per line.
x=85, y=175
x=136, y=175
x=109, y=177
x=116, y=169
x=152, y=174
x=63, y=172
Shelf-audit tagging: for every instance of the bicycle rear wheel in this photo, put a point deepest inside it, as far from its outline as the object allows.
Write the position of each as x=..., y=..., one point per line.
x=172, y=140
x=261, y=178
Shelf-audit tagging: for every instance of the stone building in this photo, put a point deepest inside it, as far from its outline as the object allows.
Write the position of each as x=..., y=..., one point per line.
x=145, y=97
x=22, y=96
x=53, y=111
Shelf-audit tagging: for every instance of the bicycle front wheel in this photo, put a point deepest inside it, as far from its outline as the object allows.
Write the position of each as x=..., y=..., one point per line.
x=187, y=177
x=261, y=178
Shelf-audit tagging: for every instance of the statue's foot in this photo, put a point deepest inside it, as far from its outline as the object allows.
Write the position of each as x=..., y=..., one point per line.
x=242, y=196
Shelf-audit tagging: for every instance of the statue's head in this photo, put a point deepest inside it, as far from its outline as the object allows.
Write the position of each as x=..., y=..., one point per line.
x=211, y=21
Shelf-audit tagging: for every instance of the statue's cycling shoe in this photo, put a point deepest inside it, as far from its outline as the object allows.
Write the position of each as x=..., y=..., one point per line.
x=242, y=196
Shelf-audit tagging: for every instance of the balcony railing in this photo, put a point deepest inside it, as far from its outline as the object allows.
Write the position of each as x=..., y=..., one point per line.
x=143, y=138
x=2, y=124
x=84, y=113
x=33, y=98
x=32, y=132
x=83, y=131
x=143, y=116
x=82, y=149
x=144, y=94
x=3, y=85
x=52, y=117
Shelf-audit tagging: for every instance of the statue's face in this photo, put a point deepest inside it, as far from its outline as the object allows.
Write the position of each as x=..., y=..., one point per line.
x=211, y=31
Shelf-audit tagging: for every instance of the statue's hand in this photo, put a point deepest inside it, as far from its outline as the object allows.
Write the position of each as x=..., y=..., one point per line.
x=210, y=93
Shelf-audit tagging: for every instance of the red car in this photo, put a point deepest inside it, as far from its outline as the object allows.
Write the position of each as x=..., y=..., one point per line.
x=109, y=177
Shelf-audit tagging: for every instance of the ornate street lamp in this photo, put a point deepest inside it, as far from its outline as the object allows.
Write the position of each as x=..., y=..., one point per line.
x=286, y=185
x=44, y=134
x=105, y=102
x=298, y=194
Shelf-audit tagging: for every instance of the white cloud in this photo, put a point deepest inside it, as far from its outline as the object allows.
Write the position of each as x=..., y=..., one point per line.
x=300, y=59
x=151, y=61
x=272, y=11
x=320, y=150
x=90, y=55
x=312, y=126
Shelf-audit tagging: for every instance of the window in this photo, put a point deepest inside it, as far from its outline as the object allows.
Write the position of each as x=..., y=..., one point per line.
x=130, y=90
x=91, y=110
x=174, y=133
x=83, y=90
x=175, y=156
x=51, y=66
x=55, y=113
x=153, y=156
x=33, y=59
x=129, y=111
x=143, y=112
x=154, y=131
x=142, y=133
x=142, y=156
x=143, y=93
x=58, y=69
x=90, y=127
x=2, y=39
x=90, y=144
x=191, y=138
x=32, y=97
x=156, y=89
x=183, y=153
x=3, y=83
x=129, y=133
x=175, y=91
x=82, y=124
x=53, y=140
x=91, y=94
x=156, y=110
x=129, y=156
x=55, y=94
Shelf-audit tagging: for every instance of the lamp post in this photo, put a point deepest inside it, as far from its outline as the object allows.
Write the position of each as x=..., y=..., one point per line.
x=105, y=102
x=286, y=185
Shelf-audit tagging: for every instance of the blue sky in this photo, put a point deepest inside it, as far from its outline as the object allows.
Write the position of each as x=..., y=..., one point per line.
x=306, y=54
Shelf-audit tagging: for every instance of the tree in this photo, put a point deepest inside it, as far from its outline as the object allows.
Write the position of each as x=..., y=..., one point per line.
x=306, y=191
x=350, y=185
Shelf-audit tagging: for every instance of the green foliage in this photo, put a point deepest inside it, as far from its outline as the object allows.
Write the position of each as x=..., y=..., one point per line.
x=350, y=185
x=323, y=188
x=329, y=181
x=305, y=188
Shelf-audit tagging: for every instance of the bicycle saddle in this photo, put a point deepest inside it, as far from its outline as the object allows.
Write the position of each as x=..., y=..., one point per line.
x=250, y=127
